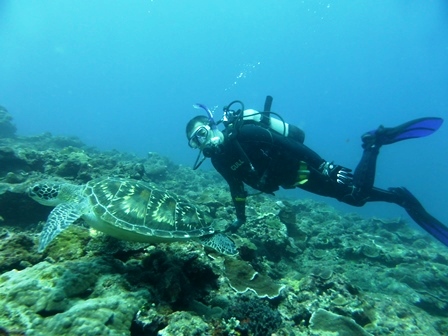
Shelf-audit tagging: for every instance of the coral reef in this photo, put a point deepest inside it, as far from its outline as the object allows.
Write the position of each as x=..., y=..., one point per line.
x=67, y=299
x=20, y=251
x=7, y=128
x=242, y=278
x=176, y=279
x=327, y=321
x=303, y=268
x=256, y=317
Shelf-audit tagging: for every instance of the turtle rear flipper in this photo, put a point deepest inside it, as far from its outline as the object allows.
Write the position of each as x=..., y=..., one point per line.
x=60, y=218
x=221, y=243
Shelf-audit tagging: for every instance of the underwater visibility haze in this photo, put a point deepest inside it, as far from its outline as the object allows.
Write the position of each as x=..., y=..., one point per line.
x=125, y=76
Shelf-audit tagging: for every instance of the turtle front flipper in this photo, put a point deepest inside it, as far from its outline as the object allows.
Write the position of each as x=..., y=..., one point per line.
x=221, y=243
x=59, y=219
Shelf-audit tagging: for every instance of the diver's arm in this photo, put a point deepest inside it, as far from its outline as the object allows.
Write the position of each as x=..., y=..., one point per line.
x=238, y=194
x=237, y=190
x=239, y=201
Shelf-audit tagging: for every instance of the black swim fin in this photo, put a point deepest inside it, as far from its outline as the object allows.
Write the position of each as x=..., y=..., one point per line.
x=418, y=213
x=412, y=129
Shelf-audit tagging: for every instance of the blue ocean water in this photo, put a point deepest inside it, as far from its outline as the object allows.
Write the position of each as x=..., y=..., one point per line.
x=124, y=75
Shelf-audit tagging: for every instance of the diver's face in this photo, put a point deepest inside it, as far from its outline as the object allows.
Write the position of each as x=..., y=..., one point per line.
x=200, y=136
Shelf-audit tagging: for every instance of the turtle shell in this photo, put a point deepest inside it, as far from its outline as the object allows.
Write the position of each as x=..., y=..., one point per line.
x=137, y=207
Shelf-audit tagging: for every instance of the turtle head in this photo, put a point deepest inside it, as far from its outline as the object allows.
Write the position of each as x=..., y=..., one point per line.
x=46, y=193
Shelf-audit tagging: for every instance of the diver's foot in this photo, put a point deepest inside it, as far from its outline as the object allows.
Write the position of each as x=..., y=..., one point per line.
x=371, y=139
x=406, y=199
x=412, y=129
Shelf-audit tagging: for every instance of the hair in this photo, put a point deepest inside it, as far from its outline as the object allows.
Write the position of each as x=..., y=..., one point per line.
x=192, y=123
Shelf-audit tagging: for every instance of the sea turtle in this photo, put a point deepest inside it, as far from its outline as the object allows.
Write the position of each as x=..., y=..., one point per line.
x=125, y=209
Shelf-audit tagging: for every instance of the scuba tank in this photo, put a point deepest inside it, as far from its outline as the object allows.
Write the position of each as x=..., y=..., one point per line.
x=274, y=124
x=241, y=116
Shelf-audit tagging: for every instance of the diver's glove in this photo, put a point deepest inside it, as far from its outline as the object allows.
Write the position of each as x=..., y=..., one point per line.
x=235, y=225
x=336, y=173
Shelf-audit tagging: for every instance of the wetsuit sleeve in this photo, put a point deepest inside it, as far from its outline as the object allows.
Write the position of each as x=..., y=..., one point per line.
x=239, y=201
x=237, y=192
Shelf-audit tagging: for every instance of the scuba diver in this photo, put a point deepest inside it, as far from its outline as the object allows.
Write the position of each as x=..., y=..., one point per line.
x=266, y=153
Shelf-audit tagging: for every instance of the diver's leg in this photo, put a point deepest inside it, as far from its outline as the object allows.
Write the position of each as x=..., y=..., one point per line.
x=364, y=175
x=350, y=194
x=404, y=198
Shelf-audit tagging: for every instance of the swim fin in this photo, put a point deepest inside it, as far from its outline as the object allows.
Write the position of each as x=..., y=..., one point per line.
x=412, y=129
x=415, y=209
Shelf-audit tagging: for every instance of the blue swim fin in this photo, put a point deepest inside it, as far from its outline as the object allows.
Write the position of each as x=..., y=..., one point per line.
x=418, y=213
x=412, y=129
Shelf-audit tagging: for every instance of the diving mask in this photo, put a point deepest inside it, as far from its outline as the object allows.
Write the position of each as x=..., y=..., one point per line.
x=204, y=136
x=199, y=137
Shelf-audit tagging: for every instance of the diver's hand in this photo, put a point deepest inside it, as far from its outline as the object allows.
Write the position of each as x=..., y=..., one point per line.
x=344, y=176
x=235, y=225
x=339, y=174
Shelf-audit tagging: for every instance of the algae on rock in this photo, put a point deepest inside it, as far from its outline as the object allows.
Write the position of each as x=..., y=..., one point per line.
x=61, y=299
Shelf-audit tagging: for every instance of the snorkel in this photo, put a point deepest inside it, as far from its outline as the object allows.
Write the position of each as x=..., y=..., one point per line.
x=212, y=122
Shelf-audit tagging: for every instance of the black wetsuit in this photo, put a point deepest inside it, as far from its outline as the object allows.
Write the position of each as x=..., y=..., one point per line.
x=267, y=160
